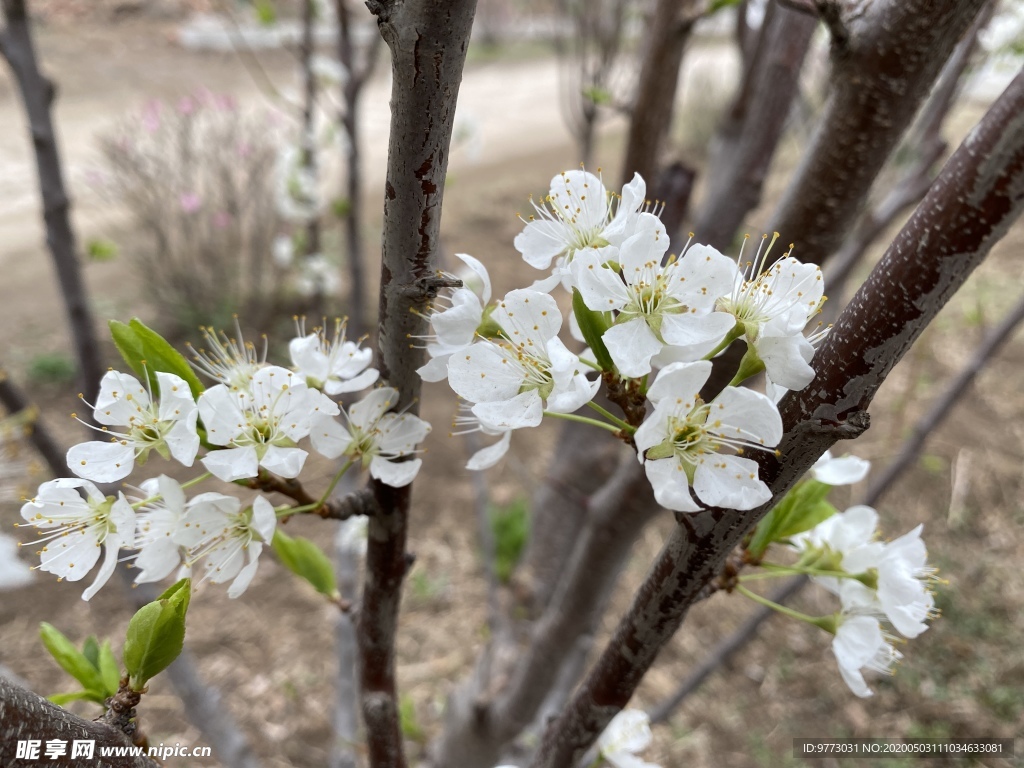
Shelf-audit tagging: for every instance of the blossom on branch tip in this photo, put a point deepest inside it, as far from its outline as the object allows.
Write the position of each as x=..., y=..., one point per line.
x=772, y=305
x=859, y=644
x=512, y=379
x=845, y=470
x=379, y=440
x=260, y=425
x=230, y=361
x=167, y=427
x=76, y=527
x=158, y=525
x=335, y=366
x=578, y=212
x=227, y=538
x=679, y=442
x=628, y=733
x=456, y=325
x=657, y=305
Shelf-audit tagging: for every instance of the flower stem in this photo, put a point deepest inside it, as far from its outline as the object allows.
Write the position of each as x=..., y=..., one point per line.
x=187, y=484
x=818, y=621
x=327, y=494
x=583, y=420
x=623, y=425
x=792, y=570
x=730, y=337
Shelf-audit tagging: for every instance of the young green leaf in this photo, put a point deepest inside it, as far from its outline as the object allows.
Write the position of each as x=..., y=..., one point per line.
x=91, y=650
x=161, y=356
x=156, y=634
x=592, y=325
x=305, y=559
x=109, y=669
x=129, y=345
x=70, y=659
x=60, y=699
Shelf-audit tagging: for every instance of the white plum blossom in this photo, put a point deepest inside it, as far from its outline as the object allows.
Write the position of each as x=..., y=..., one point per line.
x=230, y=361
x=490, y=455
x=773, y=306
x=375, y=438
x=352, y=535
x=893, y=577
x=656, y=305
x=845, y=470
x=227, y=538
x=859, y=644
x=158, y=524
x=628, y=733
x=167, y=427
x=334, y=366
x=296, y=192
x=76, y=527
x=578, y=212
x=455, y=327
x=679, y=442
x=512, y=380
x=260, y=425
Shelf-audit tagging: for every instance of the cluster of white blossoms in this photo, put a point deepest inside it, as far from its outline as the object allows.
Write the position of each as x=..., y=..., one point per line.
x=651, y=323
x=875, y=582
x=879, y=584
x=256, y=417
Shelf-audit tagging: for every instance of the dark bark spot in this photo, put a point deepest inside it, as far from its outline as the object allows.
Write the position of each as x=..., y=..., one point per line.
x=390, y=190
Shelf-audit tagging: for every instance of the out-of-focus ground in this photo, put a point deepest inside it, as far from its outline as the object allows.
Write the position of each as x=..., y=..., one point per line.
x=271, y=651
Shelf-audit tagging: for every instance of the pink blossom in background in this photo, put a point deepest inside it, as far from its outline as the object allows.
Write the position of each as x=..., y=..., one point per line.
x=151, y=116
x=225, y=102
x=222, y=219
x=190, y=202
x=187, y=105
x=244, y=149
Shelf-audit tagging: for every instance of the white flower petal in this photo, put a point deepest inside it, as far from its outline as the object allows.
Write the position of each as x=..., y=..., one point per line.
x=522, y=411
x=671, y=487
x=397, y=474
x=729, y=482
x=286, y=462
x=230, y=464
x=102, y=462
x=487, y=457
x=329, y=438
x=632, y=345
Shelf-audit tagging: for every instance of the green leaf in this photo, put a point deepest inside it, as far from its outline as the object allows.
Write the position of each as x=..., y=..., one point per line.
x=109, y=669
x=305, y=559
x=266, y=13
x=147, y=352
x=161, y=356
x=808, y=517
x=511, y=527
x=717, y=5
x=91, y=650
x=408, y=721
x=801, y=509
x=60, y=699
x=156, y=634
x=593, y=325
x=70, y=659
x=101, y=250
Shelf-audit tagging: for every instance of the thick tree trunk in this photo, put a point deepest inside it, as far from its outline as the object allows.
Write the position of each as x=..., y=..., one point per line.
x=37, y=93
x=885, y=57
x=428, y=42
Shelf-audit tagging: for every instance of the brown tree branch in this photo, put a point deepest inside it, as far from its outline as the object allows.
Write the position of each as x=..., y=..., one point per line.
x=880, y=76
x=428, y=42
x=26, y=715
x=974, y=200
x=37, y=94
x=42, y=439
x=925, y=145
x=908, y=453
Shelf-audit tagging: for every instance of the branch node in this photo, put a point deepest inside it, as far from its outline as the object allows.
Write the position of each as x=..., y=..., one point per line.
x=426, y=288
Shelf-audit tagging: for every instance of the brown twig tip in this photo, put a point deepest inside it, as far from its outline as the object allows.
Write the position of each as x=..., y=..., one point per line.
x=426, y=288
x=120, y=712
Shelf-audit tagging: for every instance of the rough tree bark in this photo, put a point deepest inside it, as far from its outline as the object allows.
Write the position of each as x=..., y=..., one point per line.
x=37, y=93
x=26, y=715
x=974, y=200
x=428, y=42
x=746, y=141
x=885, y=57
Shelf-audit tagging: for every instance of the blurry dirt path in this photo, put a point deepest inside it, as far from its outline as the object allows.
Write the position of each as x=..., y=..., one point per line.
x=103, y=73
